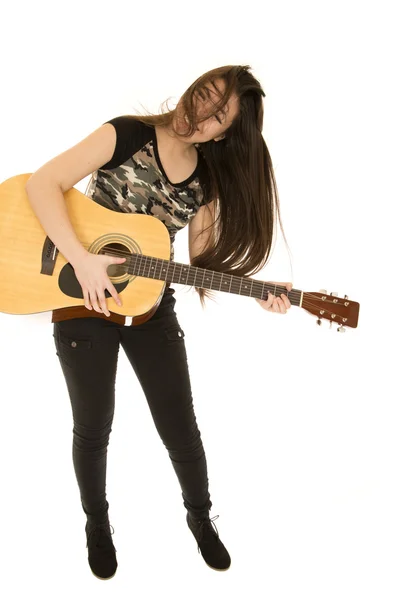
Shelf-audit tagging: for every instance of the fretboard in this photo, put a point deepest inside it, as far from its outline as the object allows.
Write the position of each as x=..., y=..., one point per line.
x=174, y=272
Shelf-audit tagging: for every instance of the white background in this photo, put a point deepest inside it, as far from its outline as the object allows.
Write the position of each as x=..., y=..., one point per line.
x=299, y=423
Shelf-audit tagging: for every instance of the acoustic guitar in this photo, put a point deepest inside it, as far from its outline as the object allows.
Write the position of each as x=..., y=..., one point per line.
x=35, y=277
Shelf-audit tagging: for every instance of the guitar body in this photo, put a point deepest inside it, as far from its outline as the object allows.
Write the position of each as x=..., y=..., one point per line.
x=35, y=277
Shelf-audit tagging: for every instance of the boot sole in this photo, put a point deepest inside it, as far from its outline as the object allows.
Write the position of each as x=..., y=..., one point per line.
x=214, y=569
x=103, y=578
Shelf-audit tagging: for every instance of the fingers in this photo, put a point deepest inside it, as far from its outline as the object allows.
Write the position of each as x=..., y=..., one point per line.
x=269, y=301
x=102, y=301
x=93, y=299
x=98, y=299
x=286, y=301
x=94, y=296
x=114, y=294
x=279, y=304
x=86, y=298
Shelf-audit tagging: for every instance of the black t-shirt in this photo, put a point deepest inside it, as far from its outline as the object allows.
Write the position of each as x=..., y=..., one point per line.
x=134, y=179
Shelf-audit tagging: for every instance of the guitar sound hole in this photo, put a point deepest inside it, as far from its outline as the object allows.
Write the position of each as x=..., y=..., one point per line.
x=116, y=250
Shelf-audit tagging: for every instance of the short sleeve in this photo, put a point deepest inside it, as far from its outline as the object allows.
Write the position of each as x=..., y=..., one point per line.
x=206, y=198
x=129, y=138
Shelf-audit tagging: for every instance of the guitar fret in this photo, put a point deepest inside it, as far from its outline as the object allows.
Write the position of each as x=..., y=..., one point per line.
x=159, y=274
x=262, y=291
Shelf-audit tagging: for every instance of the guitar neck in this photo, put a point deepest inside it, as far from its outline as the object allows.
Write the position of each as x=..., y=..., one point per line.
x=174, y=272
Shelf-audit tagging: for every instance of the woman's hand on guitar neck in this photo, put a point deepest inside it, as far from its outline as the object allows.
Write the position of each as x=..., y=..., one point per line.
x=279, y=304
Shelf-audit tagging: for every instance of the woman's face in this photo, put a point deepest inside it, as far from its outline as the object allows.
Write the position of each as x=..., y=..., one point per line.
x=213, y=127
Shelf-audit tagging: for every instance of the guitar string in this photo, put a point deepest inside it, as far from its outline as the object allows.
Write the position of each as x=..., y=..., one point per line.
x=307, y=296
x=146, y=260
x=296, y=294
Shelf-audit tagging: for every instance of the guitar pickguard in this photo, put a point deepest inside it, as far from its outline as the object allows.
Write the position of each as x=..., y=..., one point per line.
x=71, y=287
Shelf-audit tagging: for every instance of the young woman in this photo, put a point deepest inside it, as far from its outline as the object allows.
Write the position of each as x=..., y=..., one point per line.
x=205, y=164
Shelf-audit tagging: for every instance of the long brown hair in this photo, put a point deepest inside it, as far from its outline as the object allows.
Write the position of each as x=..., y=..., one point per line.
x=240, y=176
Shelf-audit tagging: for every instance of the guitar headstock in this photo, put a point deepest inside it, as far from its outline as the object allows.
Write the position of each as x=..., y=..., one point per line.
x=331, y=307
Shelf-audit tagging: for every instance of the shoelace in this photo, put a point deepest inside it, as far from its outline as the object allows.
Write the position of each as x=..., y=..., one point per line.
x=205, y=526
x=94, y=535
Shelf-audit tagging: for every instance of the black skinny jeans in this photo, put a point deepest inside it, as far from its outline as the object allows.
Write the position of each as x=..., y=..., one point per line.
x=88, y=352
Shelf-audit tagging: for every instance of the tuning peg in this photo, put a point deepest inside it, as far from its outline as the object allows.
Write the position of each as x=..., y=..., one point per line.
x=334, y=294
x=346, y=297
x=323, y=292
x=319, y=322
x=341, y=329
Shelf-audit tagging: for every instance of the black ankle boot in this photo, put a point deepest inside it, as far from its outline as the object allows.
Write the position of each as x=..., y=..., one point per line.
x=101, y=551
x=211, y=547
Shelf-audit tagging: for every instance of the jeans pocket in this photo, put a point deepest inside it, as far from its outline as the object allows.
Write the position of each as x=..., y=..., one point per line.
x=71, y=349
x=174, y=333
